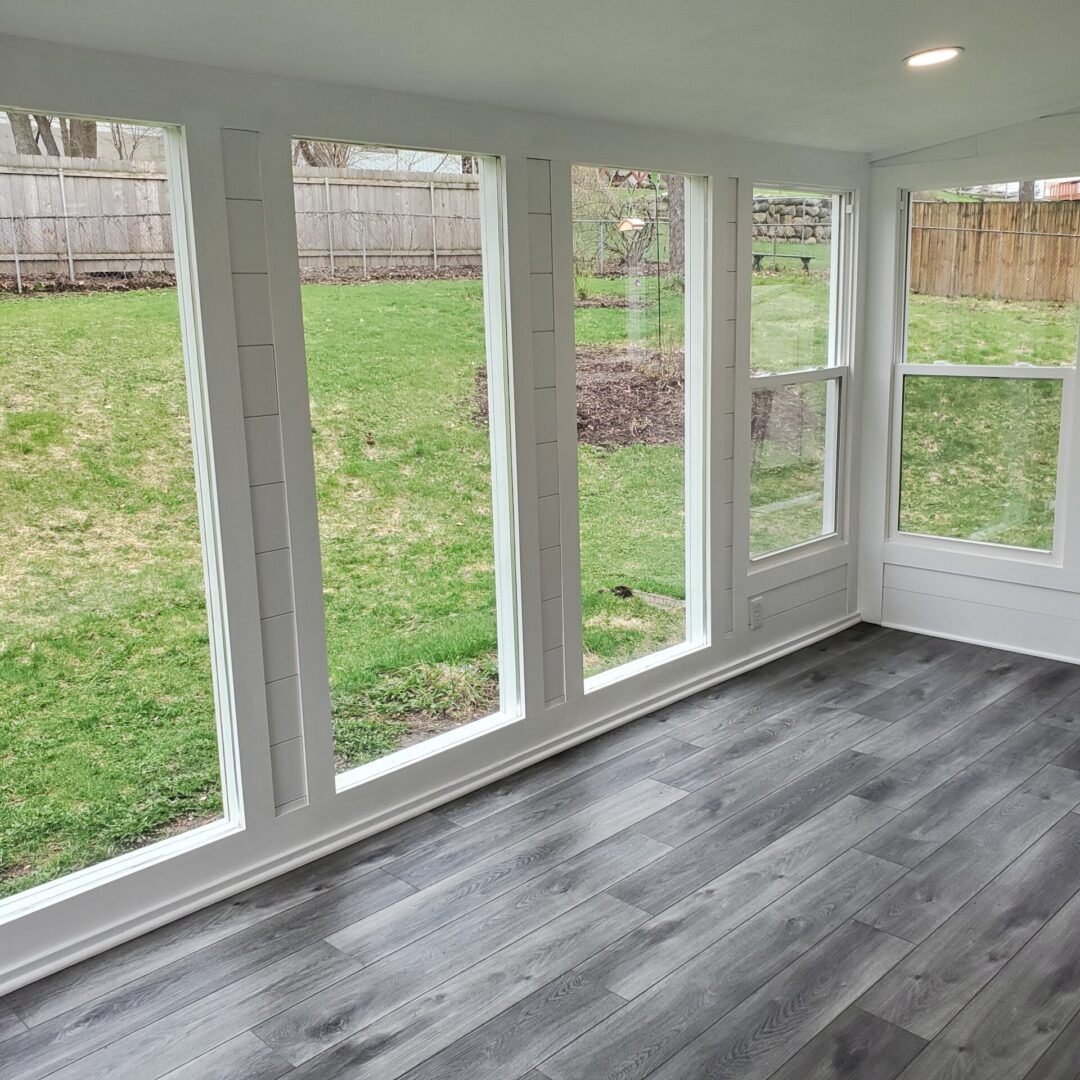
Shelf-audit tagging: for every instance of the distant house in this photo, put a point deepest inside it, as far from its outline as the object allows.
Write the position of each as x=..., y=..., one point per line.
x=1061, y=190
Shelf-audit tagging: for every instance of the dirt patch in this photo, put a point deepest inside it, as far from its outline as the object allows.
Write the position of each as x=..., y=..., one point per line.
x=86, y=283
x=421, y=726
x=90, y=283
x=628, y=396
x=607, y=301
x=625, y=397
x=356, y=276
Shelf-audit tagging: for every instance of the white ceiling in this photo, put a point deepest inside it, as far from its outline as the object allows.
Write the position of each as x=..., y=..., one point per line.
x=821, y=73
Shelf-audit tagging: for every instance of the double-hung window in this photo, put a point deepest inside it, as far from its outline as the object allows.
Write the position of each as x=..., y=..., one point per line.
x=799, y=361
x=986, y=365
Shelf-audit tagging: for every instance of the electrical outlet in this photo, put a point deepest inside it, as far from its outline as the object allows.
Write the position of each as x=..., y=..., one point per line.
x=757, y=612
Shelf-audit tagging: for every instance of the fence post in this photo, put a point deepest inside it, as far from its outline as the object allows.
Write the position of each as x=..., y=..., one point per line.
x=600, y=250
x=434, y=245
x=329, y=226
x=67, y=229
x=15, y=252
x=997, y=271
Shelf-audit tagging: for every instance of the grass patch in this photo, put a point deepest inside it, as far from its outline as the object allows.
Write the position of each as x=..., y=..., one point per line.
x=107, y=733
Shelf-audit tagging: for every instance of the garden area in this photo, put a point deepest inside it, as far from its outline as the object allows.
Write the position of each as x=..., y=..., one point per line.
x=107, y=733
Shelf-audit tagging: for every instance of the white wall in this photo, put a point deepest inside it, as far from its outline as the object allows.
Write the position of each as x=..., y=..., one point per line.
x=974, y=592
x=239, y=195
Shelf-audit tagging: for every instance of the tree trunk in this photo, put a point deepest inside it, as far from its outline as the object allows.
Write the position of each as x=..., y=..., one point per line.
x=82, y=139
x=45, y=133
x=23, y=131
x=676, y=193
x=1027, y=191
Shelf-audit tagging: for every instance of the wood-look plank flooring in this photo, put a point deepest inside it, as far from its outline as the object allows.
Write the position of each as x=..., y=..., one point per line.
x=861, y=861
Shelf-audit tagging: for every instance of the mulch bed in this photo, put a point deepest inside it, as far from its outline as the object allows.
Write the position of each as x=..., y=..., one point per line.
x=607, y=301
x=88, y=283
x=356, y=276
x=625, y=397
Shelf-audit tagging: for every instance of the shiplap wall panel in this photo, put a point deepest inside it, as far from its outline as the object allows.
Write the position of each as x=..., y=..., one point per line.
x=543, y=358
x=266, y=466
x=251, y=299
x=546, y=418
x=258, y=380
x=550, y=521
x=1039, y=633
x=726, y=346
x=269, y=517
x=274, y=572
x=247, y=237
x=287, y=769
x=547, y=469
x=283, y=709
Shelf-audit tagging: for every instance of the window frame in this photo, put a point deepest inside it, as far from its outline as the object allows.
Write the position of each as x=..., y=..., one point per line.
x=495, y=276
x=237, y=797
x=901, y=368
x=698, y=439
x=839, y=368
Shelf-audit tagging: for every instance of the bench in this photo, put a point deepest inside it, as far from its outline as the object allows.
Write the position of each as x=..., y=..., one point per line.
x=759, y=255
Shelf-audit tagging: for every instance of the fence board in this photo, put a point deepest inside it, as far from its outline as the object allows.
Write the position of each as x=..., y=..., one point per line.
x=1000, y=250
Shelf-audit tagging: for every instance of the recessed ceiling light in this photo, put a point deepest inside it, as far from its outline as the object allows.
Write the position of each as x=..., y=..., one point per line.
x=933, y=56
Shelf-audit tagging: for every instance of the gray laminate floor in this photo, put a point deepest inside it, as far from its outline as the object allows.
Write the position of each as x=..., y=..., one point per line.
x=860, y=861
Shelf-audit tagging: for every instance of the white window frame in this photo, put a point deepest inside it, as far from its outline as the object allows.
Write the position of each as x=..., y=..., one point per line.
x=901, y=368
x=697, y=441
x=233, y=795
x=838, y=369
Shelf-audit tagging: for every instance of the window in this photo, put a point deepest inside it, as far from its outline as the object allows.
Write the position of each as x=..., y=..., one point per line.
x=401, y=286
x=639, y=349
x=993, y=314
x=108, y=726
x=798, y=363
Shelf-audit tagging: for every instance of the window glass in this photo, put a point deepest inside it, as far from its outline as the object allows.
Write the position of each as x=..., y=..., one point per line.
x=791, y=284
x=979, y=459
x=792, y=465
x=995, y=274
x=993, y=281
x=394, y=327
x=108, y=732
x=630, y=289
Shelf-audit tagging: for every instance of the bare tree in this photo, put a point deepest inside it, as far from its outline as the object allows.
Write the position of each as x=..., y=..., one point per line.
x=45, y=134
x=126, y=139
x=1026, y=192
x=324, y=155
x=79, y=136
x=22, y=128
x=34, y=135
x=676, y=200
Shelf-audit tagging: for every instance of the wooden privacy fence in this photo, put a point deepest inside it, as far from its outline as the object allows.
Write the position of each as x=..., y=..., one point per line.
x=72, y=216
x=352, y=220
x=1000, y=250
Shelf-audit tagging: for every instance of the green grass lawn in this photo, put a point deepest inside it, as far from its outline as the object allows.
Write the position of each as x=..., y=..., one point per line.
x=632, y=517
x=107, y=735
